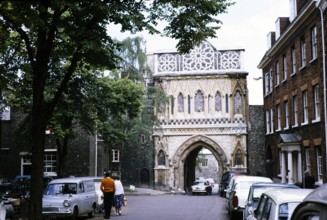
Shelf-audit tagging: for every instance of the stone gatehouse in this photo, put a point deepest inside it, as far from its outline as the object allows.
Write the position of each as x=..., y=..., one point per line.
x=208, y=108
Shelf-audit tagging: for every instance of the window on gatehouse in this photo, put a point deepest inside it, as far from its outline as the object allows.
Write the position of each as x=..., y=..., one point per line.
x=180, y=102
x=218, y=101
x=239, y=158
x=161, y=158
x=199, y=101
x=238, y=103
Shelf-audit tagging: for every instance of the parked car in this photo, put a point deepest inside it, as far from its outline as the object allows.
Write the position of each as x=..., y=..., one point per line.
x=70, y=197
x=225, y=179
x=239, y=190
x=97, y=183
x=313, y=207
x=255, y=192
x=201, y=186
x=278, y=204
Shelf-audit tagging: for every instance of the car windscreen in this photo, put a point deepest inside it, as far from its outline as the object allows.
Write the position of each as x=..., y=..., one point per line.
x=61, y=188
x=258, y=191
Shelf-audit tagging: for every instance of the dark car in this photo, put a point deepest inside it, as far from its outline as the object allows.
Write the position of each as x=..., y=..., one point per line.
x=225, y=178
x=314, y=206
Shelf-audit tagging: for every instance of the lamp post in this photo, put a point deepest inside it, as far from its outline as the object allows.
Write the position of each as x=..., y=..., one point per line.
x=96, y=155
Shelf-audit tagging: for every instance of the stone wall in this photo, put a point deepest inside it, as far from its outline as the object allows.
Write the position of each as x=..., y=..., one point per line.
x=256, y=151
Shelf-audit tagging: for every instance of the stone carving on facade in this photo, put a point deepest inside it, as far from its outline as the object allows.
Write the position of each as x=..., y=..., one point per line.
x=201, y=58
x=203, y=90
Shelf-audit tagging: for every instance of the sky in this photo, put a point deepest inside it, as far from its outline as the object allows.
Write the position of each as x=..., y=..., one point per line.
x=245, y=26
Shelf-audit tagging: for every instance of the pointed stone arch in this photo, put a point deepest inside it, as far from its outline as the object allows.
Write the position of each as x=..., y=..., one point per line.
x=190, y=145
x=238, y=156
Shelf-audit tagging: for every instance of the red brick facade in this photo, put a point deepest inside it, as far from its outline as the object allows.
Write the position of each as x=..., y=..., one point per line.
x=294, y=101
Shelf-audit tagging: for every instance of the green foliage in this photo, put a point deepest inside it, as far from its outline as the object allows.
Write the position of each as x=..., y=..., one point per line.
x=53, y=54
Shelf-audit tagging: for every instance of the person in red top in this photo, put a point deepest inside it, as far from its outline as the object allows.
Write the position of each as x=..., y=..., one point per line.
x=107, y=186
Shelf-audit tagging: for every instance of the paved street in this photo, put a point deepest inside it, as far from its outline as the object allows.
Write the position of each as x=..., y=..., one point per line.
x=173, y=207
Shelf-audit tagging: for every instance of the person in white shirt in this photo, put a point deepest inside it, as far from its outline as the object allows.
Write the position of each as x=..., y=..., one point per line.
x=119, y=196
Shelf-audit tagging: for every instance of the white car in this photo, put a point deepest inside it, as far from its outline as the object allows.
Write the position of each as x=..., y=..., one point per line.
x=238, y=193
x=97, y=183
x=70, y=197
x=201, y=186
x=278, y=204
x=255, y=192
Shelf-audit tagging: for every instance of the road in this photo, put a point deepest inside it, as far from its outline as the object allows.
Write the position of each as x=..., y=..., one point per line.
x=173, y=207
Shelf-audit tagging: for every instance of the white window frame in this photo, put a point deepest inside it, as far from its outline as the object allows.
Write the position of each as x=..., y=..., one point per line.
x=307, y=159
x=314, y=43
x=115, y=155
x=305, y=107
x=267, y=84
x=284, y=68
x=271, y=121
x=295, y=112
x=303, y=53
x=286, y=115
x=316, y=103
x=271, y=80
x=50, y=161
x=277, y=73
x=293, y=59
x=278, y=118
x=319, y=164
x=267, y=122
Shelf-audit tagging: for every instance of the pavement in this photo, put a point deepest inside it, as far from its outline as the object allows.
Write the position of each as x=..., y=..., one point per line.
x=135, y=191
x=138, y=191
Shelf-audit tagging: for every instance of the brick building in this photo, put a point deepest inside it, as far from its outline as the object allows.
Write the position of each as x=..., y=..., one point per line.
x=294, y=82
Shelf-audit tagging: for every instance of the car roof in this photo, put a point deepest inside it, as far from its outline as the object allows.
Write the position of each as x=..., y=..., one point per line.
x=71, y=180
x=263, y=184
x=284, y=195
x=318, y=195
x=252, y=178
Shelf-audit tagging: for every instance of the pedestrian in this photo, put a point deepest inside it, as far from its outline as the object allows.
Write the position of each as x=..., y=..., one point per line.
x=107, y=187
x=309, y=181
x=119, y=196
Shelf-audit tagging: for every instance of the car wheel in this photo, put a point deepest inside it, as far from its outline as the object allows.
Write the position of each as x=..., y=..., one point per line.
x=193, y=193
x=75, y=214
x=91, y=214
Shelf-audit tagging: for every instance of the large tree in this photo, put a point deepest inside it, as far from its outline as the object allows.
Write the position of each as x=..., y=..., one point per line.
x=43, y=43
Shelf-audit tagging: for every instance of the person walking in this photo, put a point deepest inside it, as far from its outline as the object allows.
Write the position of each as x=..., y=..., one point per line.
x=107, y=187
x=309, y=181
x=119, y=196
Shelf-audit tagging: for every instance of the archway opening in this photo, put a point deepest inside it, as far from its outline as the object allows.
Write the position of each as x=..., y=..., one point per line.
x=200, y=162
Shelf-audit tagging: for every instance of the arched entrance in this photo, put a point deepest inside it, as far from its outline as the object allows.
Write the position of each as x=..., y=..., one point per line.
x=184, y=159
x=145, y=177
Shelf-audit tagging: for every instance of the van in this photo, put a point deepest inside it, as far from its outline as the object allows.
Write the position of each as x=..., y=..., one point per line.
x=225, y=178
x=70, y=197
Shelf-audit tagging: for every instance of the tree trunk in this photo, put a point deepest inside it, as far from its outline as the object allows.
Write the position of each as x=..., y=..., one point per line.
x=38, y=142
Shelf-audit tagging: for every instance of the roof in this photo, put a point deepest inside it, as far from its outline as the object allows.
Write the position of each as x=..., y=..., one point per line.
x=263, y=184
x=319, y=195
x=252, y=179
x=284, y=195
x=71, y=180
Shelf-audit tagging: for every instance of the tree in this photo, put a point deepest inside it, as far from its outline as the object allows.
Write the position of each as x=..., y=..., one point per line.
x=44, y=43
